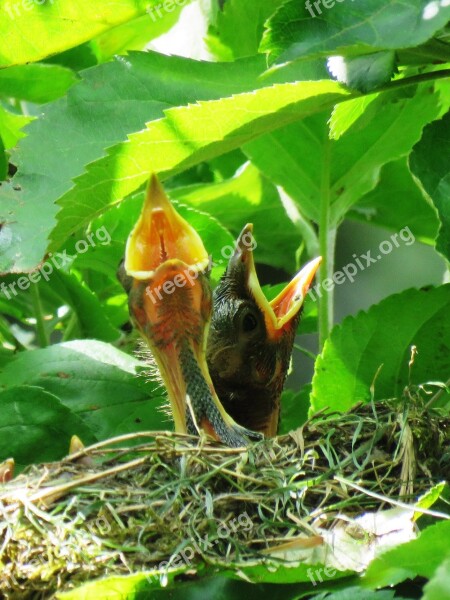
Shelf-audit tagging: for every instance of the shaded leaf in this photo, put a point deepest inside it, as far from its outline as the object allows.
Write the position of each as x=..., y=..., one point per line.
x=294, y=409
x=249, y=197
x=78, y=58
x=398, y=203
x=430, y=163
x=36, y=83
x=364, y=73
x=36, y=426
x=439, y=585
x=3, y=161
x=96, y=382
x=298, y=30
x=66, y=289
x=382, y=337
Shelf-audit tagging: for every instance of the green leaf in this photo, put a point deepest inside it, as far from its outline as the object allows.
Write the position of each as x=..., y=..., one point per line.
x=129, y=586
x=382, y=337
x=30, y=31
x=65, y=289
x=430, y=497
x=294, y=409
x=11, y=126
x=220, y=587
x=299, y=30
x=184, y=138
x=96, y=382
x=36, y=426
x=295, y=571
x=239, y=27
x=398, y=203
x=136, y=34
x=429, y=163
x=439, y=585
x=3, y=161
x=76, y=59
x=356, y=593
x=5, y=356
x=6, y=335
x=36, y=83
x=248, y=197
x=119, y=98
x=305, y=162
x=364, y=73
x=420, y=557
x=56, y=289
x=347, y=113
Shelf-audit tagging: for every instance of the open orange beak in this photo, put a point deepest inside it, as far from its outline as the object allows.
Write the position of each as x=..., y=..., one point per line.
x=281, y=312
x=170, y=302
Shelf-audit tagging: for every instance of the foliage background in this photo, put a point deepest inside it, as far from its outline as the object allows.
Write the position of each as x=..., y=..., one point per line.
x=312, y=127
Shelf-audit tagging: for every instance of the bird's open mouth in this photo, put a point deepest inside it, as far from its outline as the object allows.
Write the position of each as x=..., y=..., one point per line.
x=282, y=310
x=170, y=302
x=162, y=240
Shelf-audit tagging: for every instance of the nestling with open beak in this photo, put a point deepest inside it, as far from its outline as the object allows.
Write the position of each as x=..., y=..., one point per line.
x=166, y=275
x=250, y=340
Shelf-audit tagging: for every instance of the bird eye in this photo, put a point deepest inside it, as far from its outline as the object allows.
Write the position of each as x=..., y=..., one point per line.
x=249, y=322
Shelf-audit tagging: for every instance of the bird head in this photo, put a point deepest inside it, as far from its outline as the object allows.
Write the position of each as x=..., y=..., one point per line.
x=250, y=341
x=166, y=275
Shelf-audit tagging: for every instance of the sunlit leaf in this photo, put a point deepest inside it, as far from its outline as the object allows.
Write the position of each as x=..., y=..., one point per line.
x=188, y=136
x=34, y=30
x=381, y=338
x=118, y=98
x=304, y=161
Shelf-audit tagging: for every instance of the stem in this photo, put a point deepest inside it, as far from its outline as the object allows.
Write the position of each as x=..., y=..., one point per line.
x=301, y=223
x=439, y=394
x=41, y=332
x=327, y=241
x=306, y=352
x=71, y=324
x=399, y=83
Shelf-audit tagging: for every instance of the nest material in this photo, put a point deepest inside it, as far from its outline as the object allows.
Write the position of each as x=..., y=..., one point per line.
x=116, y=510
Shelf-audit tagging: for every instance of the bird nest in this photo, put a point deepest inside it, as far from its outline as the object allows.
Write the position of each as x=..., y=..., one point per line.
x=155, y=501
